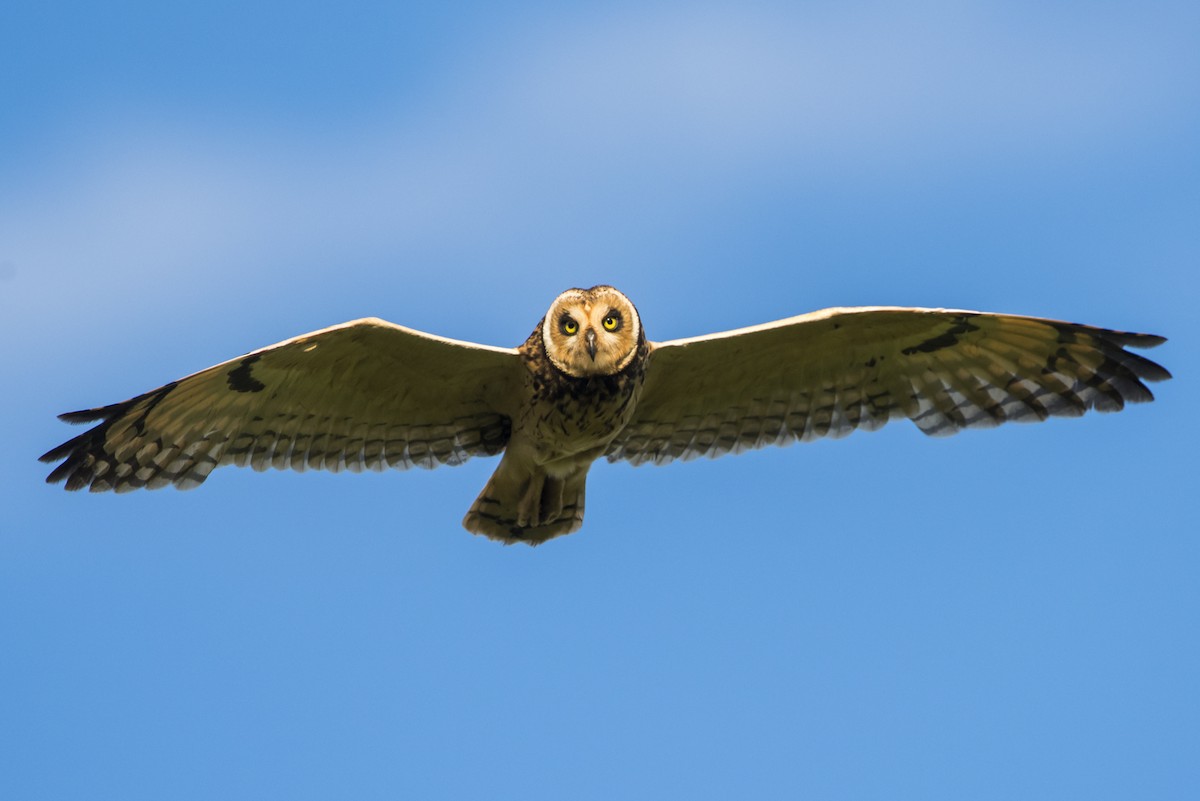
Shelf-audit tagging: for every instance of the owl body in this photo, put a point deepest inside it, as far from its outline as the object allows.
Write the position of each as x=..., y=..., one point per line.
x=572, y=414
x=586, y=384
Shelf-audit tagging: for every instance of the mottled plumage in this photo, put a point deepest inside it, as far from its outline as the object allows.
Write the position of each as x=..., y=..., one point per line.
x=576, y=399
x=587, y=383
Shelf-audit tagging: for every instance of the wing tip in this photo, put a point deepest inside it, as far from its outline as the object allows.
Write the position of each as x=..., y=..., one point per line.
x=85, y=415
x=1144, y=368
x=1133, y=339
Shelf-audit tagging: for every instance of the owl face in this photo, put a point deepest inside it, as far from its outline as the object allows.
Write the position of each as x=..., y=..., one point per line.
x=590, y=332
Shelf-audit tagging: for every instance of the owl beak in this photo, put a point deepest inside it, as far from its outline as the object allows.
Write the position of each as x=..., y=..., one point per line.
x=591, y=343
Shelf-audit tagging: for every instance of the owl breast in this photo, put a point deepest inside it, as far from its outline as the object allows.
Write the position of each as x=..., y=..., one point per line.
x=585, y=413
x=575, y=417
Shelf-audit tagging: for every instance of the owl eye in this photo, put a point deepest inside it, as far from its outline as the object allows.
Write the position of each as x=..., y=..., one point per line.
x=612, y=322
x=569, y=326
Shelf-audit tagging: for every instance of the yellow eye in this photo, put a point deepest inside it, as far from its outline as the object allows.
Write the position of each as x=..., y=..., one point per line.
x=612, y=322
x=570, y=327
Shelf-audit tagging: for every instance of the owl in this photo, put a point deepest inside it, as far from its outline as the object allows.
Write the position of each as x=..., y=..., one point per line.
x=588, y=384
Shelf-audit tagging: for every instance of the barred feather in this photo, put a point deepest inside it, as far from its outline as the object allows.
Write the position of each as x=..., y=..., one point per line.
x=364, y=395
x=832, y=372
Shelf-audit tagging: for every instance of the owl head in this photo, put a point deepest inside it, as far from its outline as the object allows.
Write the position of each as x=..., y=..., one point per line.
x=591, y=332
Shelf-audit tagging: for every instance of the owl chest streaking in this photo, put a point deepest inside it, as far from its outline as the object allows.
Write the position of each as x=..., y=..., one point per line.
x=586, y=384
x=585, y=366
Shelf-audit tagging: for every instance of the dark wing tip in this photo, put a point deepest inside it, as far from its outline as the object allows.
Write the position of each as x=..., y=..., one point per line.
x=104, y=413
x=1156, y=372
x=86, y=415
x=1113, y=343
x=84, y=456
x=1134, y=340
x=58, y=452
x=62, y=472
x=82, y=442
x=79, y=459
x=1145, y=369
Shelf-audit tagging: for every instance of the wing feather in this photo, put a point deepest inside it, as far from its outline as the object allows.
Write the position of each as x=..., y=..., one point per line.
x=364, y=394
x=831, y=372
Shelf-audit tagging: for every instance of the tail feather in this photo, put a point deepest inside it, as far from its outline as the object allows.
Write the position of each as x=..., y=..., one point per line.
x=523, y=505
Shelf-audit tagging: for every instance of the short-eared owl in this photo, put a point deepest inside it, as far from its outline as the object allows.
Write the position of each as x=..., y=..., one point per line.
x=587, y=383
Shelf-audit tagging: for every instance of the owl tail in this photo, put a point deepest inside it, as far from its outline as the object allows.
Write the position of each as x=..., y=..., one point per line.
x=523, y=505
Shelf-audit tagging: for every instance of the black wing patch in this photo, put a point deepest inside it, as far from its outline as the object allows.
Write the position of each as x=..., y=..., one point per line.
x=241, y=378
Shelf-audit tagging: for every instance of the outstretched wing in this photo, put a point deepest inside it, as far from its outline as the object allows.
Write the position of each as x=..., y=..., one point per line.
x=363, y=394
x=832, y=371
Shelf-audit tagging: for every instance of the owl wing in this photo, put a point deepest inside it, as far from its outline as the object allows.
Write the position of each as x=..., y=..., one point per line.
x=363, y=394
x=832, y=371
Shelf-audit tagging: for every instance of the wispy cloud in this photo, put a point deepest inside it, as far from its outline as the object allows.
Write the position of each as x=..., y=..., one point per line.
x=640, y=113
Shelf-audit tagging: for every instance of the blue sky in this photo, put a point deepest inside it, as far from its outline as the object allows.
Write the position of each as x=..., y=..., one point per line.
x=1003, y=614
